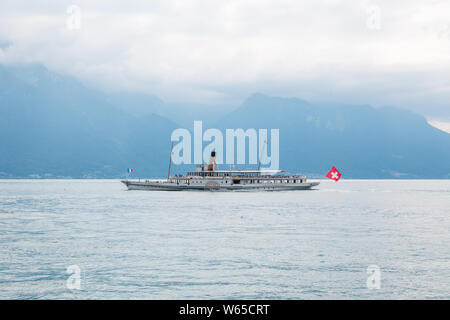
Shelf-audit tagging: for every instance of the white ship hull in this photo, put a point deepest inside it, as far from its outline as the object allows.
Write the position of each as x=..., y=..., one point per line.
x=209, y=186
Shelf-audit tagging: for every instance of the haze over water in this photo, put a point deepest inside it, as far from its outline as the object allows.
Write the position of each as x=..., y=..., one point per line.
x=225, y=245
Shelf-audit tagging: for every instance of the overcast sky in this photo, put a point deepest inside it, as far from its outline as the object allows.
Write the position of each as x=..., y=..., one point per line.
x=376, y=52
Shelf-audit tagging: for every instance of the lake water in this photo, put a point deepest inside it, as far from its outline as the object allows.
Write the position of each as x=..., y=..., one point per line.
x=224, y=245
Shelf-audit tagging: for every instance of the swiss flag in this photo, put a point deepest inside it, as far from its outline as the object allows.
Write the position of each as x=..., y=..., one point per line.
x=334, y=174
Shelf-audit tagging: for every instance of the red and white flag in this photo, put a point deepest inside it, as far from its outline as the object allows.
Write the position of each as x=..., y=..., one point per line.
x=334, y=174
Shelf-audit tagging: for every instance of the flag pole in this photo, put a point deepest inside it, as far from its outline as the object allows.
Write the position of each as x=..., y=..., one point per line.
x=260, y=157
x=170, y=162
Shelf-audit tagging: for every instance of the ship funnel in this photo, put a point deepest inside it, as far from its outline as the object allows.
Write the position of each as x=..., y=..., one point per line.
x=212, y=161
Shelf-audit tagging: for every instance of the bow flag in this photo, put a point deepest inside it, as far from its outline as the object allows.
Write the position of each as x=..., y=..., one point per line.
x=334, y=174
x=130, y=170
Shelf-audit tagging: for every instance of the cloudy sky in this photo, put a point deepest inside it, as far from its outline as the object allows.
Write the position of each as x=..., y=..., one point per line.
x=218, y=52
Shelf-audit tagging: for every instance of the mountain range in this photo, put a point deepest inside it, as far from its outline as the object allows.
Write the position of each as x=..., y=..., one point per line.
x=53, y=126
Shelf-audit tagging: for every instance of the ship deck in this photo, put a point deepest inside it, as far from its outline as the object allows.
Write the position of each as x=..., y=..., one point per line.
x=214, y=186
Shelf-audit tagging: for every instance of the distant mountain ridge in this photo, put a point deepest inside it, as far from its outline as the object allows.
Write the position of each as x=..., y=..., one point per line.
x=52, y=126
x=364, y=142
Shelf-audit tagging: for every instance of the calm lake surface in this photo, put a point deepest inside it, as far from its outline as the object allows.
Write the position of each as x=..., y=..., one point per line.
x=224, y=245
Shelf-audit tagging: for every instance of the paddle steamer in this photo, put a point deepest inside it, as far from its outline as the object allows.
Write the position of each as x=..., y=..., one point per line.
x=207, y=177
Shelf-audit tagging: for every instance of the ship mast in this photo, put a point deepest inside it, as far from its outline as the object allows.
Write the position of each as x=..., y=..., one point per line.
x=260, y=157
x=170, y=162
